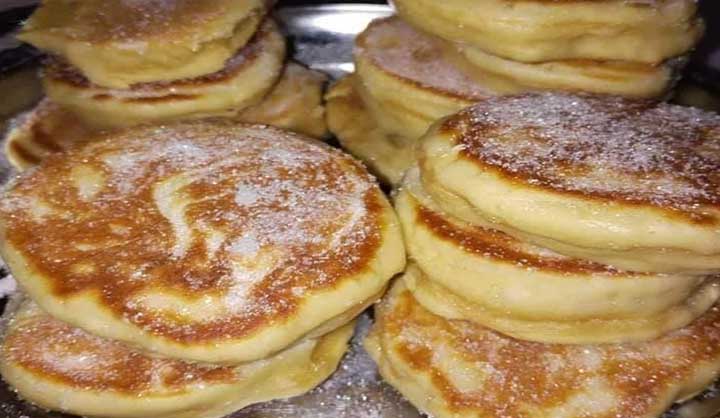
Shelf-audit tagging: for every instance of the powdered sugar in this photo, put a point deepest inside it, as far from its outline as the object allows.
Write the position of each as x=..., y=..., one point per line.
x=638, y=150
x=251, y=218
x=425, y=60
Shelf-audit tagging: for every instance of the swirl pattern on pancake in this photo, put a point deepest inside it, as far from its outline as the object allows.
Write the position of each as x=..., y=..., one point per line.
x=206, y=240
x=460, y=369
x=118, y=43
x=486, y=276
x=63, y=368
x=628, y=183
x=246, y=78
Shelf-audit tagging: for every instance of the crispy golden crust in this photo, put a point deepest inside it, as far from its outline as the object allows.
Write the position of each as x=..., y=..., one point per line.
x=607, y=148
x=456, y=367
x=244, y=223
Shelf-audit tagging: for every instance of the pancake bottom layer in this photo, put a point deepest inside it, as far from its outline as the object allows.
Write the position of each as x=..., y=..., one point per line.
x=539, y=31
x=246, y=78
x=623, y=78
x=295, y=103
x=484, y=275
x=347, y=118
x=63, y=368
x=454, y=369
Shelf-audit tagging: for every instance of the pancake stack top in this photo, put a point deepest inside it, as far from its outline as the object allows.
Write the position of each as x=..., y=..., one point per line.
x=565, y=252
x=190, y=269
x=435, y=58
x=121, y=63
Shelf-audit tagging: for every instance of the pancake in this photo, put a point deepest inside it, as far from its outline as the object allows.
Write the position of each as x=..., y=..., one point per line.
x=623, y=78
x=531, y=293
x=246, y=79
x=63, y=368
x=207, y=240
x=541, y=30
x=118, y=43
x=357, y=132
x=459, y=369
x=295, y=103
x=409, y=85
x=628, y=183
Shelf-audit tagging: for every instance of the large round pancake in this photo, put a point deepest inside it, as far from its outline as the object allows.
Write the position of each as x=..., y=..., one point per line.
x=205, y=240
x=295, y=103
x=357, y=132
x=409, y=85
x=622, y=78
x=632, y=184
x=486, y=276
x=63, y=368
x=246, y=78
x=460, y=369
x=118, y=43
x=540, y=30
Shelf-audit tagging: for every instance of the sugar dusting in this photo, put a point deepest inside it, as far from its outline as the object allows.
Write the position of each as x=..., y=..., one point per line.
x=423, y=60
x=627, y=380
x=656, y=152
x=237, y=214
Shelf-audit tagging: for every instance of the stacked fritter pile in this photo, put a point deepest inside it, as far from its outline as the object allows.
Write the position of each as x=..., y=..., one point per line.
x=564, y=251
x=189, y=269
x=438, y=57
x=121, y=63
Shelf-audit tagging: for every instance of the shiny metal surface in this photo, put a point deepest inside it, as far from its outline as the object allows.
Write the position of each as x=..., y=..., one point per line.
x=322, y=38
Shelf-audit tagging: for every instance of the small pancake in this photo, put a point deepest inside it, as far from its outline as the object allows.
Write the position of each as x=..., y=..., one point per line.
x=246, y=79
x=118, y=43
x=460, y=369
x=622, y=78
x=206, y=240
x=63, y=368
x=409, y=85
x=295, y=103
x=531, y=293
x=633, y=184
x=358, y=133
x=541, y=30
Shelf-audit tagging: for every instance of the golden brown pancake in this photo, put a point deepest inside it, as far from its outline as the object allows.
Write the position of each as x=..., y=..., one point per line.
x=386, y=157
x=246, y=78
x=295, y=103
x=541, y=30
x=531, y=293
x=622, y=78
x=459, y=369
x=63, y=368
x=409, y=79
x=207, y=240
x=627, y=183
x=118, y=43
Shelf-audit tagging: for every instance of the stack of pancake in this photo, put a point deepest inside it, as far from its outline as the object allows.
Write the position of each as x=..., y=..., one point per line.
x=564, y=258
x=436, y=58
x=122, y=63
x=189, y=269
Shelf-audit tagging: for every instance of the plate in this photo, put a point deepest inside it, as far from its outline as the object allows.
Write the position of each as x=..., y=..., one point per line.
x=322, y=38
